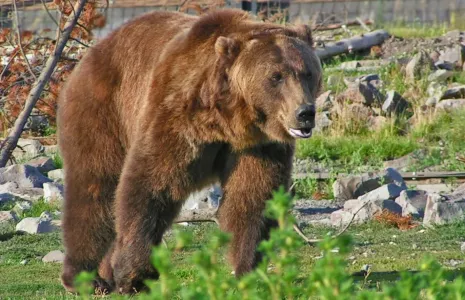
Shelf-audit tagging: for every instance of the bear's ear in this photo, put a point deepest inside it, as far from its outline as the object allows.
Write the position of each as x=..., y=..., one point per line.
x=304, y=32
x=227, y=47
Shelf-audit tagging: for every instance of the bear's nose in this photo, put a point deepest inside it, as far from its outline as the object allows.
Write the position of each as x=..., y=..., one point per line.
x=306, y=113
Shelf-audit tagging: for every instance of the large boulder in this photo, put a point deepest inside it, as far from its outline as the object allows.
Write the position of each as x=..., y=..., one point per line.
x=28, y=148
x=440, y=210
x=43, y=164
x=55, y=256
x=413, y=202
x=53, y=192
x=352, y=187
x=24, y=176
x=419, y=65
x=35, y=226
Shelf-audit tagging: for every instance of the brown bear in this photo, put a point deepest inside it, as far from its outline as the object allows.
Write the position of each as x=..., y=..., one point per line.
x=165, y=105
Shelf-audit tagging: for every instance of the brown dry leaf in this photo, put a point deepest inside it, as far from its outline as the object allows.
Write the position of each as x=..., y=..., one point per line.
x=396, y=220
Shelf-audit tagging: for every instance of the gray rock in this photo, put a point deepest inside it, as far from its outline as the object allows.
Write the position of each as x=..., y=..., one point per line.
x=28, y=148
x=47, y=216
x=370, y=77
x=444, y=65
x=440, y=75
x=457, y=195
x=457, y=92
x=454, y=55
x=51, y=149
x=439, y=210
x=326, y=222
x=420, y=64
x=362, y=210
x=413, y=202
x=435, y=188
x=29, y=194
x=340, y=218
x=322, y=121
x=215, y=195
x=35, y=226
x=435, y=91
x=36, y=123
x=53, y=192
x=324, y=102
x=376, y=123
x=22, y=206
x=55, y=256
x=350, y=65
x=23, y=175
x=208, y=197
x=431, y=102
x=362, y=93
x=334, y=80
x=462, y=248
x=385, y=192
x=57, y=175
x=450, y=105
x=401, y=163
x=43, y=164
x=352, y=187
x=8, y=217
x=455, y=35
x=394, y=103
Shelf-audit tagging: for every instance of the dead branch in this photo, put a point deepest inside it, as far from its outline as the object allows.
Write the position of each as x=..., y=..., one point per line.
x=79, y=42
x=351, y=220
x=302, y=235
x=197, y=215
x=361, y=42
x=18, y=32
x=11, y=141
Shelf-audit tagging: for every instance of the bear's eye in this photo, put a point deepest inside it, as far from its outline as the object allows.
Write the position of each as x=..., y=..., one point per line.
x=277, y=77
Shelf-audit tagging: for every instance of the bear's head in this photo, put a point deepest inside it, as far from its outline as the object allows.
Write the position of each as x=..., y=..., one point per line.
x=276, y=72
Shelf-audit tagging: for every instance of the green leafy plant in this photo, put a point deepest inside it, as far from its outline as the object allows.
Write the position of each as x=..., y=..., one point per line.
x=279, y=275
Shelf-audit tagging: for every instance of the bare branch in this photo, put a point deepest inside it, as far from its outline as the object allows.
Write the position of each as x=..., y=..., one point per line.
x=197, y=215
x=79, y=42
x=11, y=141
x=19, y=41
x=351, y=220
x=302, y=235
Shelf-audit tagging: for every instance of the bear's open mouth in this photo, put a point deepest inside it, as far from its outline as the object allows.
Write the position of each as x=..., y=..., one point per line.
x=300, y=132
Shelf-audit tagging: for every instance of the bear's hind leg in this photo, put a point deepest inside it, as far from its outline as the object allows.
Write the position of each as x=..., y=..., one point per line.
x=88, y=227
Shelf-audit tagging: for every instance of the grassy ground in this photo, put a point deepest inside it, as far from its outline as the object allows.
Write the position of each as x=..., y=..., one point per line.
x=386, y=249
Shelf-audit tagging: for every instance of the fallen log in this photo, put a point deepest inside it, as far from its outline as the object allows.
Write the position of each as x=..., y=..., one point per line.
x=405, y=175
x=197, y=215
x=357, y=43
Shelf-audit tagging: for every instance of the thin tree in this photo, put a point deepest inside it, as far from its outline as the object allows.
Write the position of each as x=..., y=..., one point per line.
x=10, y=143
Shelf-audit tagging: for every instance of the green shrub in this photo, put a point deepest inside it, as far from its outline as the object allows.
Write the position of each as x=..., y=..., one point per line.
x=279, y=277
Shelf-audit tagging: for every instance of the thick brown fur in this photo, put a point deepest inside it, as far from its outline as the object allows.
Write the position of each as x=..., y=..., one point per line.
x=164, y=106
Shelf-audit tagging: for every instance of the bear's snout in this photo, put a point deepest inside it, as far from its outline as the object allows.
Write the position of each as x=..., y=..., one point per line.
x=305, y=115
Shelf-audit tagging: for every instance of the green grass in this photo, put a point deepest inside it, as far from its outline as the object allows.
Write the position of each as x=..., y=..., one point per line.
x=57, y=161
x=39, y=207
x=416, y=30
x=354, y=151
x=373, y=245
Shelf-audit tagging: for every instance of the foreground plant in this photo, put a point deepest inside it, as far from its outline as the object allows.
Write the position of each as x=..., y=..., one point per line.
x=278, y=276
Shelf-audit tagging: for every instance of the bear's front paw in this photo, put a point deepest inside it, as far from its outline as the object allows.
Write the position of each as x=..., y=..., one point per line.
x=132, y=282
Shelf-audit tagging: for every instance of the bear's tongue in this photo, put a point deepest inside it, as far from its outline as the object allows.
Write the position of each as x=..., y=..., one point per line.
x=301, y=133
